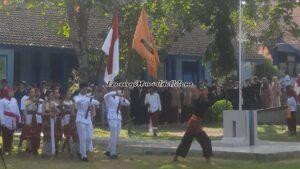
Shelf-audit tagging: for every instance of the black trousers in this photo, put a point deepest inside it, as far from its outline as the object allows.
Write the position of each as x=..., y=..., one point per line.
x=292, y=123
x=186, y=142
x=7, y=139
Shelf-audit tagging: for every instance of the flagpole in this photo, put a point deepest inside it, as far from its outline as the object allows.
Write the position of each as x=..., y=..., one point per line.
x=125, y=74
x=240, y=55
x=127, y=64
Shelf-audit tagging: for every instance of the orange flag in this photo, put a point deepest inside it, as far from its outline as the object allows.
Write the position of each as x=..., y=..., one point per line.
x=144, y=44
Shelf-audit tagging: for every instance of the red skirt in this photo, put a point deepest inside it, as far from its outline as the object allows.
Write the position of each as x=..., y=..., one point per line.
x=58, y=129
x=155, y=118
x=31, y=130
x=46, y=129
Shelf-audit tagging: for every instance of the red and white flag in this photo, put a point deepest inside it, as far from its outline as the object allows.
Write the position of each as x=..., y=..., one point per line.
x=111, y=48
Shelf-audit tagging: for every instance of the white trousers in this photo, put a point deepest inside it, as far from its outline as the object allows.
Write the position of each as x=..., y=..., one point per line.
x=85, y=134
x=150, y=126
x=115, y=129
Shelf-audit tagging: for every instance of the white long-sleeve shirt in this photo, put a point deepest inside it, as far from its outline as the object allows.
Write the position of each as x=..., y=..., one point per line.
x=82, y=103
x=154, y=102
x=22, y=105
x=285, y=81
x=291, y=102
x=9, y=113
x=39, y=111
x=112, y=102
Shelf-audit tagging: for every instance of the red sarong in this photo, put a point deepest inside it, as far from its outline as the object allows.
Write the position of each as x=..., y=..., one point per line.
x=155, y=118
x=46, y=128
x=58, y=128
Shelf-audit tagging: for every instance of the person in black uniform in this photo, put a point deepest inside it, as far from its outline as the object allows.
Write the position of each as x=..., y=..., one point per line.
x=194, y=128
x=256, y=85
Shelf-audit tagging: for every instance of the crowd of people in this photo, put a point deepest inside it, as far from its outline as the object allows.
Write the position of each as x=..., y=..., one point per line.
x=66, y=116
x=49, y=112
x=256, y=93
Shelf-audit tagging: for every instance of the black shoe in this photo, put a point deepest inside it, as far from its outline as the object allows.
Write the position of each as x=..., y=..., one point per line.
x=35, y=153
x=78, y=155
x=113, y=157
x=85, y=159
x=107, y=153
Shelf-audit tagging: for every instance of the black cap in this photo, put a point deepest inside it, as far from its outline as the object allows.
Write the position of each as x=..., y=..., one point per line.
x=43, y=82
x=83, y=84
x=23, y=82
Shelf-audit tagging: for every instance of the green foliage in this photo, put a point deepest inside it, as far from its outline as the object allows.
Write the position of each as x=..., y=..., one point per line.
x=64, y=30
x=267, y=69
x=218, y=108
x=171, y=19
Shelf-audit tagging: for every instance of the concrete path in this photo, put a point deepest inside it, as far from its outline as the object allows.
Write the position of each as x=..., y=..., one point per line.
x=265, y=151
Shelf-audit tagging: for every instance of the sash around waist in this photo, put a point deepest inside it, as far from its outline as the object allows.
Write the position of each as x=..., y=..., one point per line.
x=31, y=112
x=11, y=114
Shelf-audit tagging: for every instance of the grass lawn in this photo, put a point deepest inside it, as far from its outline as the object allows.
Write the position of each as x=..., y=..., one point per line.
x=215, y=131
x=98, y=161
x=277, y=133
x=166, y=132
x=129, y=161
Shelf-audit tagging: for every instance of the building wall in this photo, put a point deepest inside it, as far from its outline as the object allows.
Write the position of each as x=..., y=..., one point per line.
x=7, y=65
x=186, y=68
x=33, y=64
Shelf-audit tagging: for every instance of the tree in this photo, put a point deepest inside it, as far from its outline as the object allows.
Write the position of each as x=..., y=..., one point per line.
x=74, y=25
x=267, y=69
x=173, y=18
x=170, y=19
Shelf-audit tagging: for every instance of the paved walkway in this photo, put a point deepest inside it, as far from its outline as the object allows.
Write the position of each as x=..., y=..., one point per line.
x=265, y=151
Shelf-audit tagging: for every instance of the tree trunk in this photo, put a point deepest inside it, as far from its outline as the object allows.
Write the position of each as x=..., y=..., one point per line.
x=78, y=22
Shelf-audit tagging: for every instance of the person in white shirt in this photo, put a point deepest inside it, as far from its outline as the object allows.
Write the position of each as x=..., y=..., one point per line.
x=22, y=109
x=152, y=101
x=285, y=81
x=9, y=118
x=291, y=111
x=68, y=109
x=39, y=120
x=297, y=85
x=113, y=101
x=84, y=124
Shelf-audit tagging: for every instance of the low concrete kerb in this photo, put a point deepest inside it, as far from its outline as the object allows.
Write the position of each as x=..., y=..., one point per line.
x=269, y=151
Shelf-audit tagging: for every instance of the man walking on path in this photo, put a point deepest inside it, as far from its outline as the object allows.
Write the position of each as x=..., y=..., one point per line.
x=153, y=103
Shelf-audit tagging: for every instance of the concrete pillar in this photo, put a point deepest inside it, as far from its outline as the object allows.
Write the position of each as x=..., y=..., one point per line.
x=26, y=65
x=239, y=128
x=45, y=69
x=178, y=69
